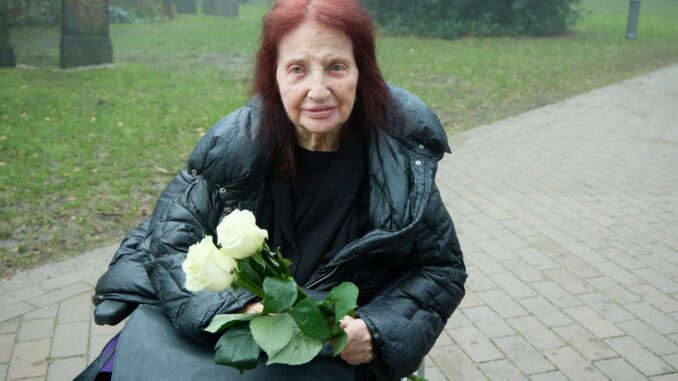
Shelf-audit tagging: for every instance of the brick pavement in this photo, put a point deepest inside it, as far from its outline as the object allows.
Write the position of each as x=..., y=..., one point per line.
x=568, y=217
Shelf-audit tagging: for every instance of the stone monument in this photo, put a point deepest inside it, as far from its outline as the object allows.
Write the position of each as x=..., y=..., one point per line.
x=84, y=33
x=7, y=58
x=186, y=6
x=632, y=23
x=228, y=8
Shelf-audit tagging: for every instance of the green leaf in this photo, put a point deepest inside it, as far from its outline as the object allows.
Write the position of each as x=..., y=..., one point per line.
x=225, y=321
x=272, y=268
x=257, y=258
x=300, y=350
x=250, y=270
x=336, y=329
x=414, y=377
x=327, y=308
x=344, y=297
x=338, y=343
x=236, y=348
x=276, y=259
x=272, y=332
x=311, y=320
x=280, y=294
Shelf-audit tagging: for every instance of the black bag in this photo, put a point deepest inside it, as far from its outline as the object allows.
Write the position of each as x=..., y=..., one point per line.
x=100, y=369
x=152, y=349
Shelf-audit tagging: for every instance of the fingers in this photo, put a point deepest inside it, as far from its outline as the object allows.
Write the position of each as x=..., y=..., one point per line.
x=252, y=308
x=358, y=355
x=344, y=322
x=358, y=348
x=257, y=307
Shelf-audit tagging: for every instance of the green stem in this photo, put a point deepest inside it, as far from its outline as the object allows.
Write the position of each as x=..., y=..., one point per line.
x=301, y=294
x=247, y=284
x=267, y=254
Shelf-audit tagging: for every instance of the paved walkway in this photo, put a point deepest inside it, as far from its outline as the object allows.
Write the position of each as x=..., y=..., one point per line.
x=568, y=217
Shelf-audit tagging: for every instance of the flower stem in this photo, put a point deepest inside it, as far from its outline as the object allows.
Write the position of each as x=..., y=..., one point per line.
x=247, y=284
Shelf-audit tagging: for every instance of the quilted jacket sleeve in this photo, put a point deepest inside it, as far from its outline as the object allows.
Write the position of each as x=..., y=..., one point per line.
x=186, y=220
x=126, y=279
x=408, y=315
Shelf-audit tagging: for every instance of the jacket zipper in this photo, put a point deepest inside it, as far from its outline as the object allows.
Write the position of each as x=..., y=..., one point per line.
x=336, y=267
x=324, y=277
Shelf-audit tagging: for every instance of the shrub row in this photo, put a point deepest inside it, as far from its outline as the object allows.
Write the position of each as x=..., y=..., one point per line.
x=48, y=12
x=34, y=12
x=455, y=18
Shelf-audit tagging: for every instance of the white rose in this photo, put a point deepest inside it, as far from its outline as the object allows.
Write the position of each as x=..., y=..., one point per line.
x=207, y=267
x=239, y=236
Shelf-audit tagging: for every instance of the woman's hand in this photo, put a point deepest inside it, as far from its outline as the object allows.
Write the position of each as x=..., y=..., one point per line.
x=252, y=308
x=358, y=348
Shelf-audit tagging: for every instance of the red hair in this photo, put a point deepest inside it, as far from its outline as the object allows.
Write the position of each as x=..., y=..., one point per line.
x=372, y=94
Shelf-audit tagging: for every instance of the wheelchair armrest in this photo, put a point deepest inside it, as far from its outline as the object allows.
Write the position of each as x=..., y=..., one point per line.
x=112, y=312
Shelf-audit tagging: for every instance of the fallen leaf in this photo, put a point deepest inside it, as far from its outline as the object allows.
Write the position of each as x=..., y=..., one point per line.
x=93, y=119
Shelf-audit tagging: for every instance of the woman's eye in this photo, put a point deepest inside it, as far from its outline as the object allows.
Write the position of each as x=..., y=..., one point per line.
x=337, y=67
x=296, y=70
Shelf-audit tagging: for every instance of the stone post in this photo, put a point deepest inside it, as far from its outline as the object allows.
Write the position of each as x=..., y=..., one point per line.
x=84, y=33
x=7, y=58
x=228, y=8
x=186, y=6
x=632, y=24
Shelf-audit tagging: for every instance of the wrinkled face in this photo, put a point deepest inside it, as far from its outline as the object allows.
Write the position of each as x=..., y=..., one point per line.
x=317, y=78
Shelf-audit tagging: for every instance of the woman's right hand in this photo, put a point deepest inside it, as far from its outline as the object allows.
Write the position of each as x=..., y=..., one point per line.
x=251, y=308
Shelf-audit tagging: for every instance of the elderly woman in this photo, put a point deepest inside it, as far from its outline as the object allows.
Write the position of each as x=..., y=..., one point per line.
x=339, y=167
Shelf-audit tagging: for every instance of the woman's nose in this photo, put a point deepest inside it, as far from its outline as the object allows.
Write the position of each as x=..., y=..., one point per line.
x=318, y=90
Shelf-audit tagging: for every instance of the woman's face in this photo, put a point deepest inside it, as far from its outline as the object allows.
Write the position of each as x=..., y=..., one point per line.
x=317, y=78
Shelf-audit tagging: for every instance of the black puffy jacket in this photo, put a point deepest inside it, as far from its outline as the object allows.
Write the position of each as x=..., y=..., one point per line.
x=409, y=267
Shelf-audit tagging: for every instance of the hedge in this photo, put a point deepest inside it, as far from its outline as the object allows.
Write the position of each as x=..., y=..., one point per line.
x=48, y=12
x=455, y=18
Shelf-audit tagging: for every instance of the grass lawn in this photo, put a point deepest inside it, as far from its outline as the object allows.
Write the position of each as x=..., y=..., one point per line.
x=83, y=153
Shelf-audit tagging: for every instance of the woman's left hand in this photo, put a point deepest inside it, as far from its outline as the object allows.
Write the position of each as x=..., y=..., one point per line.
x=358, y=348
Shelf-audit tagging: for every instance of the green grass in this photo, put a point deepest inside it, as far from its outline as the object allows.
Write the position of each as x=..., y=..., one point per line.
x=474, y=81
x=83, y=153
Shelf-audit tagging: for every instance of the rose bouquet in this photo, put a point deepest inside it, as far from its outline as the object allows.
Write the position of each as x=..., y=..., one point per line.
x=293, y=327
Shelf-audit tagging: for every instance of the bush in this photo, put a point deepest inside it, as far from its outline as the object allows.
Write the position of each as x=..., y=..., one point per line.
x=454, y=18
x=151, y=10
x=48, y=12
x=118, y=15
x=34, y=12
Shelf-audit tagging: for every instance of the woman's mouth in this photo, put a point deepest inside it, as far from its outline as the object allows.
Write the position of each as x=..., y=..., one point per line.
x=319, y=112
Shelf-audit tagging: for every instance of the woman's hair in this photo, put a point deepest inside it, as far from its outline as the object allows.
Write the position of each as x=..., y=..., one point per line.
x=372, y=94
